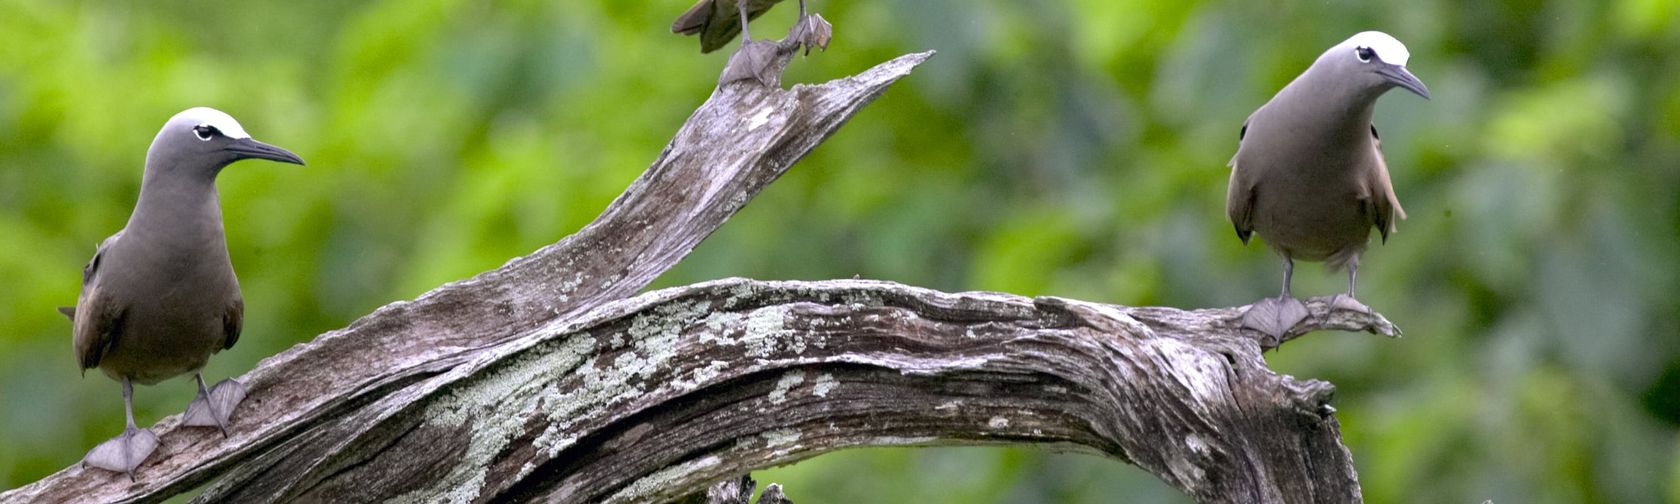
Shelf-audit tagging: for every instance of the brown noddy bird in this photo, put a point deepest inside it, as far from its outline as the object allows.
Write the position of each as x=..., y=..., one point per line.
x=1309, y=175
x=718, y=21
x=160, y=295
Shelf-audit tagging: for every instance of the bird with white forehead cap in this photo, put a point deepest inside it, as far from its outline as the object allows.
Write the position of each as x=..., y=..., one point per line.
x=1309, y=175
x=160, y=295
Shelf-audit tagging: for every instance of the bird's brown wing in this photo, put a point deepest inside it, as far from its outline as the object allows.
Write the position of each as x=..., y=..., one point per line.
x=1384, y=205
x=694, y=19
x=717, y=21
x=98, y=318
x=98, y=327
x=1239, y=197
x=232, y=321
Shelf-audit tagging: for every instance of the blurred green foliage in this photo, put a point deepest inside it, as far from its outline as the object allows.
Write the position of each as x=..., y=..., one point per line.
x=1068, y=148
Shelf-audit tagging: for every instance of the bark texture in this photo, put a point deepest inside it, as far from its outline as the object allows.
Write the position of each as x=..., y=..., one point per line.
x=651, y=398
x=546, y=380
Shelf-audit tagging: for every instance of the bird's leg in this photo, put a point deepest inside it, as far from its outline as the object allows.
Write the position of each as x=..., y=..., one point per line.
x=1347, y=301
x=753, y=60
x=811, y=30
x=200, y=412
x=746, y=34
x=124, y=453
x=1275, y=316
x=1288, y=274
x=214, y=407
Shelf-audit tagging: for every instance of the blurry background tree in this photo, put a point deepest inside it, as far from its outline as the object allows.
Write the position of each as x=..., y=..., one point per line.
x=1067, y=148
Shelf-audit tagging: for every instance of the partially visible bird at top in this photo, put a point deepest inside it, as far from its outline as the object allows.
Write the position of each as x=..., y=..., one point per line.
x=160, y=295
x=718, y=21
x=1309, y=175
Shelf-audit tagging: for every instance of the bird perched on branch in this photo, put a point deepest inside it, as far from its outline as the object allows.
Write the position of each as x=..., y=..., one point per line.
x=1309, y=175
x=160, y=295
x=718, y=21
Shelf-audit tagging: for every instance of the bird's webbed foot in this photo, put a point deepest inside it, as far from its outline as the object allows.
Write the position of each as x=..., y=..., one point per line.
x=215, y=408
x=758, y=59
x=811, y=31
x=755, y=60
x=123, y=453
x=1347, y=302
x=1275, y=316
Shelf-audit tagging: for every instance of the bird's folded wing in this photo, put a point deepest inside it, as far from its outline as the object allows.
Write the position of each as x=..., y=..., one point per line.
x=98, y=325
x=96, y=317
x=1239, y=198
x=1385, y=206
x=716, y=21
x=694, y=19
x=232, y=321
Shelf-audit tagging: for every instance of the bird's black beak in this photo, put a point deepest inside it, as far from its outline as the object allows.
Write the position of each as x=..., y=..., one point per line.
x=1400, y=76
x=245, y=148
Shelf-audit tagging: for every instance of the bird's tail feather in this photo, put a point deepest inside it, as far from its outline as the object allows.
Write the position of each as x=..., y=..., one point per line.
x=1341, y=259
x=691, y=22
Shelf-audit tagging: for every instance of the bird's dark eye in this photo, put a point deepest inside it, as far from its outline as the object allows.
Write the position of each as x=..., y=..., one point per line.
x=1365, y=54
x=205, y=132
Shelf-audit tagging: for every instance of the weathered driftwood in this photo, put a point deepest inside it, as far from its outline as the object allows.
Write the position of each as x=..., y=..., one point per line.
x=544, y=380
x=652, y=398
x=732, y=147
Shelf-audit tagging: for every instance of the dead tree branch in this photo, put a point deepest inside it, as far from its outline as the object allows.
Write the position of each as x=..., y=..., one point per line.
x=544, y=379
x=655, y=397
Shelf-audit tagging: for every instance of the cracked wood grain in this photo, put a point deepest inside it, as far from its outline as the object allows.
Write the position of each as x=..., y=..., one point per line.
x=654, y=398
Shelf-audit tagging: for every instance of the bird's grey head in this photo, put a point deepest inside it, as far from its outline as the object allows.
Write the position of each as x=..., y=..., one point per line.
x=201, y=141
x=1373, y=62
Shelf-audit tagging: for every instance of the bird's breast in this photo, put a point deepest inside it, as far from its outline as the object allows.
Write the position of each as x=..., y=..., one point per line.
x=173, y=294
x=1309, y=196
